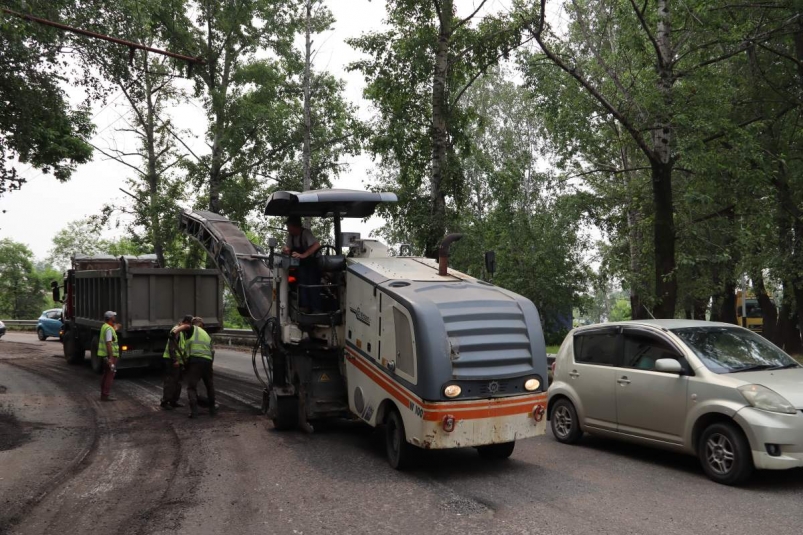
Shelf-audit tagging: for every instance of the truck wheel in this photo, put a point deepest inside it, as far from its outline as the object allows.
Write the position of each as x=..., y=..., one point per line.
x=97, y=362
x=725, y=454
x=286, y=413
x=40, y=333
x=73, y=349
x=400, y=452
x=497, y=451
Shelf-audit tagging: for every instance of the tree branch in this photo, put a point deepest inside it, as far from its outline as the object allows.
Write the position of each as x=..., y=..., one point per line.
x=650, y=36
x=117, y=159
x=631, y=129
x=467, y=19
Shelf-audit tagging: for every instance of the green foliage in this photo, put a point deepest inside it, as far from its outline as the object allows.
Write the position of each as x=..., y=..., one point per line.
x=83, y=237
x=620, y=311
x=23, y=288
x=37, y=125
x=417, y=73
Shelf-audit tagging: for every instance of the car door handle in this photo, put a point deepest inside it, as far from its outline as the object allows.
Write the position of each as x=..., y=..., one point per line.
x=623, y=380
x=574, y=374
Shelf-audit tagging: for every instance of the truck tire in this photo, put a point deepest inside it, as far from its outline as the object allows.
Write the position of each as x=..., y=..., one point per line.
x=97, y=362
x=73, y=348
x=497, y=451
x=400, y=452
x=286, y=413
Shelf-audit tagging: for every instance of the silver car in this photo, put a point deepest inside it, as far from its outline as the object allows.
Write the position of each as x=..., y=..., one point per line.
x=708, y=389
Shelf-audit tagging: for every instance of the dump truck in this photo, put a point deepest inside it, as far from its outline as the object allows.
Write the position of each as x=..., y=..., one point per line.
x=434, y=357
x=149, y=301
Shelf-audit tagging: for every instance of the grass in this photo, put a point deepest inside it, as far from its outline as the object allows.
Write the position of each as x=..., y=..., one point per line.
x=552, y=349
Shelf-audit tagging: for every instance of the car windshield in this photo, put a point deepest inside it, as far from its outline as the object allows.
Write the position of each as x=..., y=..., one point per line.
x=730, y=349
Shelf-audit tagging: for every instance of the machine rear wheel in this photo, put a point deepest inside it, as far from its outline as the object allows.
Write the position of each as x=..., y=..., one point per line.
x=97, y=362
x=286, y=413
x=497, y=451
x=400, y=452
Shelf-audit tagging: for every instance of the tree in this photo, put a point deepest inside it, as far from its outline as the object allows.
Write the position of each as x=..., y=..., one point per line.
x=419, y=71
x=22, y=291
x=147, y=83
x=516, y=209
x=654, y=80
x=83, y=237
x=37, y=125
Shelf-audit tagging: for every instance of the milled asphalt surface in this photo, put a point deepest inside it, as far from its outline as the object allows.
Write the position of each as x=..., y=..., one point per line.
x=69, y=464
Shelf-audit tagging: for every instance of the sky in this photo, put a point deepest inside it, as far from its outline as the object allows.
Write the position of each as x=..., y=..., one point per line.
x=34, y=214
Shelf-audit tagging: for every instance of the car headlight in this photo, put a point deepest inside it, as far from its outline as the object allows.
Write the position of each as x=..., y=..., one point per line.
x=452, y=391
x=532, y=385
x=765, y=399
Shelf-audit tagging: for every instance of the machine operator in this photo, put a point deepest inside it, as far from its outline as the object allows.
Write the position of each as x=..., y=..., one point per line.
x=302, y=244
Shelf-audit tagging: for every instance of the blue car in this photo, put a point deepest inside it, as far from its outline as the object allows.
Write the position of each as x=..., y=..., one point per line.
x=49, y=324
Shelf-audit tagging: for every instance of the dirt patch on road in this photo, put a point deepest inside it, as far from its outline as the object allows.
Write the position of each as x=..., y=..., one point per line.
x=12, y=432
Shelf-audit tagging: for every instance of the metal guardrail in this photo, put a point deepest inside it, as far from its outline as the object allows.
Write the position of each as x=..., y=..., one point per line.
x=20, y=323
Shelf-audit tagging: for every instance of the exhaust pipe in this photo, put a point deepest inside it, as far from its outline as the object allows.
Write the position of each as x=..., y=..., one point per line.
x=443, y=252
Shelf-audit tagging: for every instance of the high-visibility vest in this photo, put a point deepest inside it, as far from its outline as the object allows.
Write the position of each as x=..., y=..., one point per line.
x=102, y=342
x=200, y=345
x=181, y=345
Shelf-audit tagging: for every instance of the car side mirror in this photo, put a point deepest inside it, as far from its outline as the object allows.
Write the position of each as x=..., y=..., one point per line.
x=668, y=366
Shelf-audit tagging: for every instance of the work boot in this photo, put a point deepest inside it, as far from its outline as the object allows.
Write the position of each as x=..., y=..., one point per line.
x=165, y=406
x=176, y=405
x=107, y=398
x=213, y=411
x=193, y=410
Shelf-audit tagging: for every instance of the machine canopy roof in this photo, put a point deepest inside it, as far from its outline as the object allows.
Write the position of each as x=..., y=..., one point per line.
x=326, y=203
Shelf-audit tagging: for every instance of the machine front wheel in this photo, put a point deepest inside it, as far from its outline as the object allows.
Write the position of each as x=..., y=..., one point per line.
x=400, y=452
x=497, y=451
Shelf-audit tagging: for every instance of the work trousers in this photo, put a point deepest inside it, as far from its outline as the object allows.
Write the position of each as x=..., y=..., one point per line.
x=107, y=378
x=171, y=384
x=309, y=275
x=200, y=369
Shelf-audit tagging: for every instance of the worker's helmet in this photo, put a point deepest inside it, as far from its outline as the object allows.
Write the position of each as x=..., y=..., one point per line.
x=109, y=315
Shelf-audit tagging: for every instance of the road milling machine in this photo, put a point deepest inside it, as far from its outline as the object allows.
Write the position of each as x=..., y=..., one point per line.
x=438, y=358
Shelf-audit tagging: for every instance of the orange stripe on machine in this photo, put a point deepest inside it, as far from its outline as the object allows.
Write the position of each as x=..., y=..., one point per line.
x=463, y=410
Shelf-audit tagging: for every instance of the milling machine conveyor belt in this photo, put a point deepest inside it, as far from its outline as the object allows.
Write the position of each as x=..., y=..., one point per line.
x=241, y=263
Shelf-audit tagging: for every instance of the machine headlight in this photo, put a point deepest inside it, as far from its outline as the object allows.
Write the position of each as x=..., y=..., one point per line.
x=765, y=399
x=532, y=385
x=452, y=391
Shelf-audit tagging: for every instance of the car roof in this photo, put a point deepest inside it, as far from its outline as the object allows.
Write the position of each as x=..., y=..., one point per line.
x=668, y=324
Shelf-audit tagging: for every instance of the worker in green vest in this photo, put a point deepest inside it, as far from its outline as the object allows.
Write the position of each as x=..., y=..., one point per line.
x=109, y=352
x=174, y=360
x=201, y=354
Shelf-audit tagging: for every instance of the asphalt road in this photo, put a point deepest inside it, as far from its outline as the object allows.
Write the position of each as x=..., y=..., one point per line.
x=69, y=464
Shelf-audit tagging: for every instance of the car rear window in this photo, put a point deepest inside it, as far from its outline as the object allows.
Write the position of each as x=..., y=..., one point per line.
x=601, y=348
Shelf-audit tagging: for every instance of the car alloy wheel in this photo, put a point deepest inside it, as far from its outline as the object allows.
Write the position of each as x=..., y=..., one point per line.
x=719, y=452
x=563, y=421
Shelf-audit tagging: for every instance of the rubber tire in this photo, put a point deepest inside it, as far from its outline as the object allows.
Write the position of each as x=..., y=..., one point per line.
x=575, y=434
x=497, y=452
x=73, y=349
x=286, y=413
x=40, y=333
x=401, y=457
x=743, y=464
x=97, y=362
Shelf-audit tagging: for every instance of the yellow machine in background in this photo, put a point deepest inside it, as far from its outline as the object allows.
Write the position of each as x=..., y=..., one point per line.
x=748, y=313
